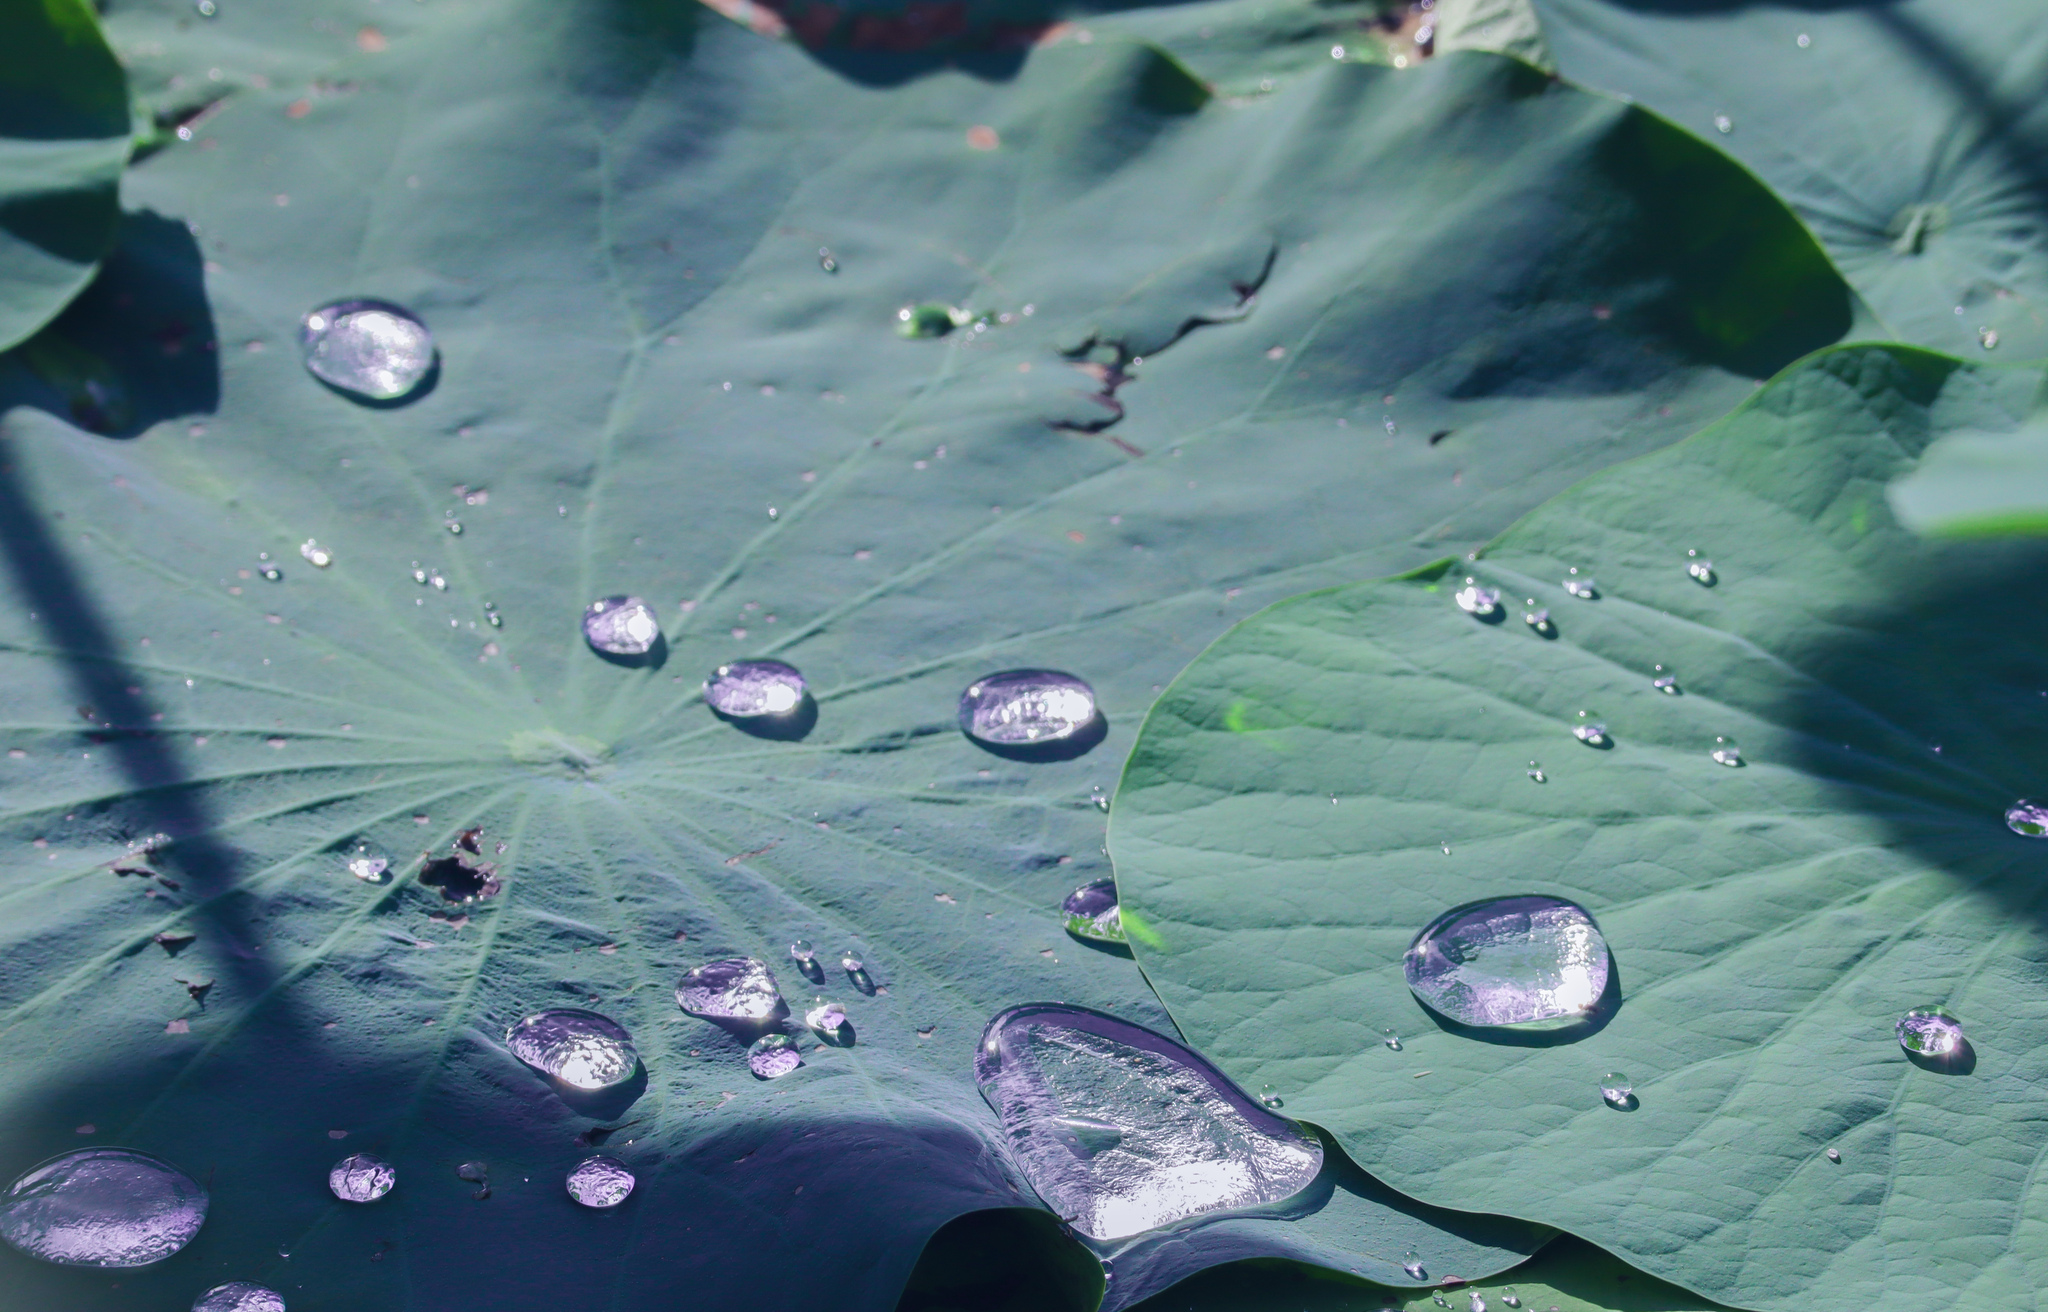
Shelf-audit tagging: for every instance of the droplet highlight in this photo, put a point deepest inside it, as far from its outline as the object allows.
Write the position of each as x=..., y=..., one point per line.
x=1092, y=913
x=621, y=626
x=600, y=1182
x=737, y=989
x=1528, y=960
x=747, y=690
x=361, y=1178
x=773, y=1056
x=102, y=1207
x=582, y=1049
x=369, y=349
x=1929, y=1032
x=1016, y=708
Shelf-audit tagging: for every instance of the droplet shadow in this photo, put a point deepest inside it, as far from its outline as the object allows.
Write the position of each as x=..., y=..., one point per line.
x=1075, y=745
x=791, y=726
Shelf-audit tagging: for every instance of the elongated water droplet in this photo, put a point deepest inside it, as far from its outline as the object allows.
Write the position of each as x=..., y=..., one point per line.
x=580, y=1048
x=361, y=1178
x=1615, y=1088
x=1589, y=731
x=1726, y=752
x=1188, y=1142
x=102, y=1207
x=1390, y=1037
x=2029, y=818
x=1092, y=912
x=369, y=349
x=621, y=626
x=1929, y=1032
x=1834, y=1156
x=239, y=1296
x=773, y=1056
x=1477, y=600
x=802, y=951
x=749, y=689
x=1527, y=960
x=1018, y=707
x=1580, y=585
x=318, y=557
x=738, y=988
x=1411, y=1262
x=600, y=1182
x=1701, y=569
x=1665, y=680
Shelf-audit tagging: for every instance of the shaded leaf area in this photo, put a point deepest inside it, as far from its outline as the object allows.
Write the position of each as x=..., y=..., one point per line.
x=1910, y=134
x=1339, y=770
x=63, y=139
x=614, y=218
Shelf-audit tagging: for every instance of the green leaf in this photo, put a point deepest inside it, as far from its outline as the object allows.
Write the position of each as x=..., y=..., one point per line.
x=1340, y=769
x=612, y=216
x=1974, y=484
x=63, y=139
x=1909, y=135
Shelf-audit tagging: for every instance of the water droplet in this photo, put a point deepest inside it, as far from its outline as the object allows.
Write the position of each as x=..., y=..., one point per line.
x=1664, y=680
x=1834, y=1156
x=580, y=1048
x=271, y=572
x=1536, y=772
x=1726, y=752
x=1723, y=124
x=929, y=320
x=102, y=1207
x=825, y=1017
x=1092, y=912
x=1536, y=617
x=206, y=8
x=621, y=626
x=1101, y=801
x=1509, y=1297
x=1017, y=707
x=455, y=527
x=1390, y=1037
x=318, y=557
x=747, y=690
x=369, y=869
x=827, y=261
x=1336, y=52
x=1186, y=1140
x=773, y=1056
x=600, y=1182
x=1580, y=585
x=1804, y=40
x=2029, y=818
x=1411, y=1262
x=1589, y=730
x=239, y=1296
x=370, y=349
x=1988, y=337
x=1510, y=961
x=1478, y=1303
x=419, y=575
x=1615, y=1088
x=1929, y=1032
x=1701, y=569
x=850, y=963
x=738, y=988
x=1270, y=1096
x=802, y=951
x=1477, y=600
x=361, y=1178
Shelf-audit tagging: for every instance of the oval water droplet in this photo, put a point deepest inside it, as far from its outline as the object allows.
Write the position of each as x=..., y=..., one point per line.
x=1411, y=1262
x=2028, y=818
x=621, y=626
x=1616, y=1089
x=1700, y=568
x=1509, y=1297
x=773, y=1056
x=600, y=1182
x=361, y=1178
x=1475, y=599
x=802, y=951
x=1726, y=752
x=826, y=1017
x=1187, y=1142
x=851, y=963
x=102, y=1207
x=746, y=690
x=1092, y=912
x=1580, y=585
x=318, y=557
x=1664, y=680
x=1390, y=1037
x=1017, y=708
x=1478, y=1303
x=1530, y=961
x=239, y=1296
x=580, y=1048
x=1589, y=730
x=1270, y=1096
x=1834, y=1156
x=738, y=988
x=1929, y=1032
x=1723, y=124
x=369, y=349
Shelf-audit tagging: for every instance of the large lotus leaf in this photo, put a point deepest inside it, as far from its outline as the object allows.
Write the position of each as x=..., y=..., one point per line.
x=1910, y=134
x=1979, y=484
x=1337, y=771
x=63, y=139
x=611, y=215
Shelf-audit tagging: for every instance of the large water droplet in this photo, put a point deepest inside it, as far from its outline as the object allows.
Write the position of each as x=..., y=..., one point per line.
x=1726, y=752
x=361, y=1178
x=738, y=988
x=1016, y=708
x=239, y=1296
x=621, y=626
x=1616, y=1088
x=370, y=349
x=580, y=1048
x=1929, y=1032
x=1526, y=960
x=102, y=1207
x=1092, y=912
x=1187, y=1142
x=2029, y=818
x=747, y=689
x=1477, y=600
x=600, y=1182
x=773, y=1056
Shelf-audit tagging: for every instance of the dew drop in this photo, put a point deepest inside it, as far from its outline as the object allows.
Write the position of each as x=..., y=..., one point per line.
x=361, y=1178
x=1700, y=568
x=802, y=951
x=318, y=557
x=368, y=349
x=827, y=261
x=1929, y=1032
x=580, y=1048
x=1122, y=1130
x=102, y=1207
x=621, y=626
x=1019, y=707
x=1536, y=773
x=1615, y=1089
x=1804, y=40
x=738, y=988
x=1988, y=338
x=747, y=690
x=454, y=526
x=1389, y=1037
x=1092, y=913
x=1509, y=1297
x=1270, y=1096
x=1411, y=1262
x=1723, y=124
x=851, y=964
x=239, y=1296
x=827, y=1018
x=600, y=1182
x=1580, y=585
x=773, y=1056
x=271, y=572
x=1528, y=960
x=1726, y=752
x=1536, y=617
x=1834, y=1156
x=369, y=869
x=1664, y=680
x=205, y=8
x=1478, y=1303
x=1589, y=730
x=2028, y=818
x=419, y=575
x=1476, y=600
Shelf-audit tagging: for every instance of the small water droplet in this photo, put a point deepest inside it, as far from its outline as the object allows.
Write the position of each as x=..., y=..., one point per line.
x=1726, y=752
x=206, y=8
x=1446, y=847
x=827, y=261
x=1101, y=801
x=2028, y=818
x=1701, y=569
x=1478, y=1303
x=419, y=575
x=773, y=1056
x=368, y=349
x=239, y=1296
x=492, y=617
x=316, y=555
x=1580, y=585
x=1336, y=52
x=1929, y=1032
x=1804, y=40
x=1664, y=680
x=802, y=951
x=102, y=1207
x=1834, y=1156
x=1389, y=1037
x=1616, y=1089
x=455, y=527
x=1509, y=961
x=850, y=963
x=737, y=988
x=1536, y=617
x=747, y=690
x=271, y=572
x=600, y=1182
x=1411, y=1262
x=1509, y=1297
x=361, y=1178
x=1020, y=707
x=1476, y=600
x=621, y=626
x=1270, y=1096
x=580, y=1048
x=369, y=869
x=1536, y=772
x=1723, y=124
x=827, y=1018
x=439, y=580
x=1589, y=730
x=1091, y=912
